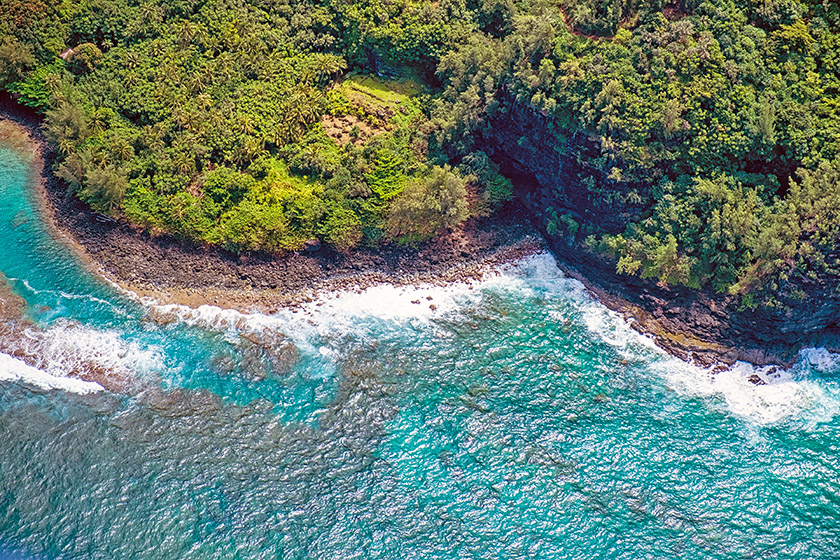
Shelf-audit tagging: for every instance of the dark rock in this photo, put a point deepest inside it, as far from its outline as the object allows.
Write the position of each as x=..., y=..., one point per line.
x=312, y=245
x=709, y=326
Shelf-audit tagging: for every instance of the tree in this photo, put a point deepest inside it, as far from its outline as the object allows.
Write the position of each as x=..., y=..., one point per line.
x=342, y=228
x=103, y=189
x=428, y=205
x=84, y=58
x=15, y=59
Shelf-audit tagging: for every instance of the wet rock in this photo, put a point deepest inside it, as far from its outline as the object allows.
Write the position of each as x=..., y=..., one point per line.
x=478, y=390
x=159, y=317
x=223, y=364
x=267, y=353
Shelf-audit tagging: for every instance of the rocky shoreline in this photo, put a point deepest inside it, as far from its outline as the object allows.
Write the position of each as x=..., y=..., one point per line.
x=172, y=271
x=688, y=324
x=697, y=325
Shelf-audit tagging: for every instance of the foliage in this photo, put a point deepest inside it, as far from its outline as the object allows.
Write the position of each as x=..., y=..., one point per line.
x=424, y=207
x=708, y=131
x=687, y=121
x=204, y=120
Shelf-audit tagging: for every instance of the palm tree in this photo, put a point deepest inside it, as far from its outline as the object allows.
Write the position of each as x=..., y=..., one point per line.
x=131, y=78
x=224, y=66
x=184, y=164
x=252, y=149
x=200, y=35
x=151, y=13
x=204, y=101
x=277, y=135
x=192, y=121
x=245, y=125
x=180, y=116
x=215, y=119
x=157, y=48
x=98, y=120
x=52, y=82
x=328, y=65
x=133, y=60
x=152, y=137
x=124, y=150
x=66, y=146
x=186, y=32
x=195, y=84
x=211, y=44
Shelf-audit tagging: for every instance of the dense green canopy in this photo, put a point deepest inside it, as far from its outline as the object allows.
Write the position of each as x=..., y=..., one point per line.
x=712, y=126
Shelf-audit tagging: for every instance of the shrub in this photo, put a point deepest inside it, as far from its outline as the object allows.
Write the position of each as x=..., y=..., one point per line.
x=250, y=226
x=342, y=228
x=428, y=205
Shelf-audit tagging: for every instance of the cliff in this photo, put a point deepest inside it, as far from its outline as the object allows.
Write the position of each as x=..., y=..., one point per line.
x=699, y=325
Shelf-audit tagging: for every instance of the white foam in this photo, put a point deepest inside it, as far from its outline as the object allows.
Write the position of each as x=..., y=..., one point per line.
x=68, y=346
x=791, y=394
x=820, y=359
x=59, y=294
x=781, y=395
x=345, y=311
x=778, y=396
x=318, y=328
x=13, y=369
x=67, y=350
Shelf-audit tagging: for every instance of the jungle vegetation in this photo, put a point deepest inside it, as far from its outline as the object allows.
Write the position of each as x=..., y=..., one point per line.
x=712, y=125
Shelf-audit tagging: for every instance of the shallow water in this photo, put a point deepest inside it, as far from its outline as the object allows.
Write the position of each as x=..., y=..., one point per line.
x=520, y=419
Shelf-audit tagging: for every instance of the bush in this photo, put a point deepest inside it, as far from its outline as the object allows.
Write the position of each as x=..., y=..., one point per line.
x=251, y=226
x=342, y=228
x=495, y=188
x=143, y=206
x=428, y=205
x=191, y=217
x=227, y=187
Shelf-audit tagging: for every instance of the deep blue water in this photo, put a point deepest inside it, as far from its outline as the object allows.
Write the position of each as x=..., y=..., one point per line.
x=520, y=419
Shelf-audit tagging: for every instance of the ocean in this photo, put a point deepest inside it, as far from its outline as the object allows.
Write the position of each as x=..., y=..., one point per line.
x=518, y=418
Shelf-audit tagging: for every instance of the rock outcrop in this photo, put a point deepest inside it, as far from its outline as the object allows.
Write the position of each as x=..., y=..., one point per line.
x=698, y=325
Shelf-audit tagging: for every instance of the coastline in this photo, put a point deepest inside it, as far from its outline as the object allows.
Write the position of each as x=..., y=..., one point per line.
x=691, y=327
x=171, y=271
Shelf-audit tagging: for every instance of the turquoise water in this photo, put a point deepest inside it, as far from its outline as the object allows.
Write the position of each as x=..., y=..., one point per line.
x=520, y=419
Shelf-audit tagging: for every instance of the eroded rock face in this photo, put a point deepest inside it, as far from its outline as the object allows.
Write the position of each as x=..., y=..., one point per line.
x=698, y=325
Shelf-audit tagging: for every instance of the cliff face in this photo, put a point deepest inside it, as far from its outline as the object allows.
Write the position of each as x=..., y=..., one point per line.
x=698, y=325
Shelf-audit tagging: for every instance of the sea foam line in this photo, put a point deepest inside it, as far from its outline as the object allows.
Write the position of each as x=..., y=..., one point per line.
x=764, y=395
x=784, y=394
x=13, y=369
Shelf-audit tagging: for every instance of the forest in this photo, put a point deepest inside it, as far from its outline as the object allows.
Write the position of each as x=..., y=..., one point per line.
x=709, y=129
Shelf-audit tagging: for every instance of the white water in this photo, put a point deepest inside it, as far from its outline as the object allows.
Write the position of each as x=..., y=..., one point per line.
x=13, y=369
x=67, y=348
x=785, y=394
